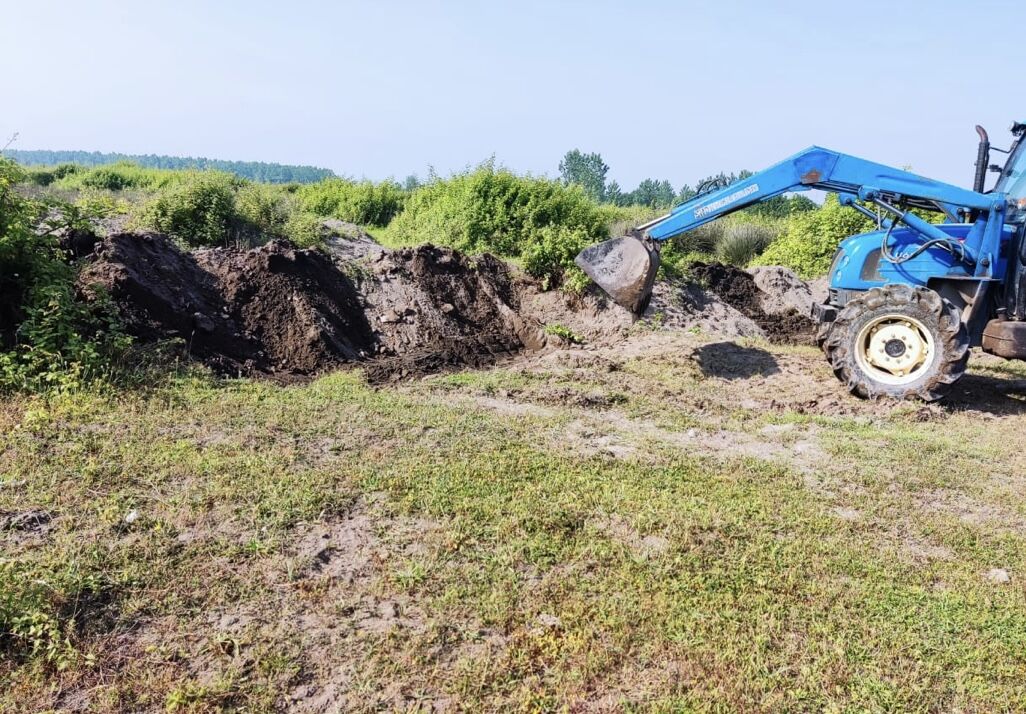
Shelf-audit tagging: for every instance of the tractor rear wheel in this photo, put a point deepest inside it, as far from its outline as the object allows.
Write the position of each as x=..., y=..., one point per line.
x=898, y=341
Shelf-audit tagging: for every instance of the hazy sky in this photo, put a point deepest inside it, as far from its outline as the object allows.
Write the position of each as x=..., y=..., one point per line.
x=661, y=89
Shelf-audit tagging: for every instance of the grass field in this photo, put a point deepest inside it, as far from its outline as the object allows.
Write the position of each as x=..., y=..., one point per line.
x=672, y=525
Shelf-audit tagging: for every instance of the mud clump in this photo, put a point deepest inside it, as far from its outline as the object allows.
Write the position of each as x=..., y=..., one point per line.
x=783, y=325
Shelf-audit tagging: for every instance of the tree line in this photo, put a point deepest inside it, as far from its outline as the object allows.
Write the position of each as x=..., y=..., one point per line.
x=590, y=172
x=253, y=170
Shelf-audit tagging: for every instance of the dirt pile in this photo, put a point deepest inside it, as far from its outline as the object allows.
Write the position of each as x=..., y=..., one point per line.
x=278, y=310
x=270, y=309
x=433, y=308
x=781, y=290
x=284, y=311
x=774, y=310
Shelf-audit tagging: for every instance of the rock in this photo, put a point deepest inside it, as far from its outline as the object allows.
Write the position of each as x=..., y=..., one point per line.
x=390, y=316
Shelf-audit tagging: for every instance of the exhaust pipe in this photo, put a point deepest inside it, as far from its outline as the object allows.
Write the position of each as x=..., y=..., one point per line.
x=982, y=160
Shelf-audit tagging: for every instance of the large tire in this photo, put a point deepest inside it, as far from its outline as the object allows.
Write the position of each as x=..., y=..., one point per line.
x=934, y=325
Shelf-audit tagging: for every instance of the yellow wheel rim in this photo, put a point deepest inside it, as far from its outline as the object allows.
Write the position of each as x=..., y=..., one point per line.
x=894, y=349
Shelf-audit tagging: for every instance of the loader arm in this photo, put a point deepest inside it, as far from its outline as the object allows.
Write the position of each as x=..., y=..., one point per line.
x=825, y=170
x=626, y=267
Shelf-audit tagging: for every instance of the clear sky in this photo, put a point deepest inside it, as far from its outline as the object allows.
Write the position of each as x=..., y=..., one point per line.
x=662, y=89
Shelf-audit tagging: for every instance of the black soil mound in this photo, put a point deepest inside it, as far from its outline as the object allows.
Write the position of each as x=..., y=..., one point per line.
x=738, y=289
x=437, y=308
x=271, y=309
x=282, y=311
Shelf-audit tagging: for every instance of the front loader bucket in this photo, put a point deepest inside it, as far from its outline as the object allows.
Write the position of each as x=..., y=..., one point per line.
x=624, y=267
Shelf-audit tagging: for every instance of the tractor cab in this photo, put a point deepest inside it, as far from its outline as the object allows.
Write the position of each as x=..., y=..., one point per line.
x=1012, y=181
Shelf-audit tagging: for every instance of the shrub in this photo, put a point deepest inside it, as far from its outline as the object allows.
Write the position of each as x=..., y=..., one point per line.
x=550, y=253
x=811, y=238
x=50, y=336
x=741, y=242
x=703, y=239
x=201, y=211
x=365, y=203
x=119, y=177
x=265, y=209
x=304, y=229
x=101, y=204
x=622, y=219
x=488, y=209
x=46, y=175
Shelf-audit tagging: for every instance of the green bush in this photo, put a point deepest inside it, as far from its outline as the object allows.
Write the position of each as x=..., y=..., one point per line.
x=267, y=209
x=622, y=219
x=50, y=336
x=304, y=229
x=364, y=202
x=811, y=238
x=550, y=254
x=730, y=239
x=101, y=204
x=488, y=209
x=214, y=208
x=703, y=239
x=121, y=176
x=46, y=175
x=199, y=212
x=741, y=242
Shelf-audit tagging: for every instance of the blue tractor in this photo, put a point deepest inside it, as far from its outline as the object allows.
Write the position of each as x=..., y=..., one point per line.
x=906, y=301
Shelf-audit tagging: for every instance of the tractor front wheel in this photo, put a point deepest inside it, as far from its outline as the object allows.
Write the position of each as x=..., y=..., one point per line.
x=898, y=341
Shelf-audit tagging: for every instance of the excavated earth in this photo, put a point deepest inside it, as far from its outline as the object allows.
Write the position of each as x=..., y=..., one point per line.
x=777, y=312
x=285, y=312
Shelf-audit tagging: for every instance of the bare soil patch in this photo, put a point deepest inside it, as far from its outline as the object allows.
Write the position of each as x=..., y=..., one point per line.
x=774, y=309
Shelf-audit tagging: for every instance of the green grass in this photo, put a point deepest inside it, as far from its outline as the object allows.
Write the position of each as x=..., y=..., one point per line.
x=534, y=573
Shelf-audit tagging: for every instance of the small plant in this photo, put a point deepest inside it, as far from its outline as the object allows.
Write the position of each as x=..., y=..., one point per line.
x=742, y=242
x=38, y=611
x=564, y=332
x=200, y=212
